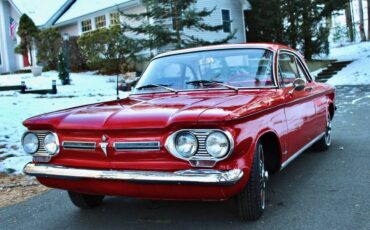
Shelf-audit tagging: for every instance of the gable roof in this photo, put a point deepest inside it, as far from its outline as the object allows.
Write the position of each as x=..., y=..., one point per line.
x=85, y=7
x=43, y=13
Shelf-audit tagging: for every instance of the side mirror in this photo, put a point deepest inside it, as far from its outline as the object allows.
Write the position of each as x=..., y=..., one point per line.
x=298, y=85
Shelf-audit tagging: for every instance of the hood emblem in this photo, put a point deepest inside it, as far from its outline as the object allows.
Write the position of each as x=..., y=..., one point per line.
x=104, y=145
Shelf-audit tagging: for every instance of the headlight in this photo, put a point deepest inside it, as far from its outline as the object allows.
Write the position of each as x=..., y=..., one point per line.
x=51, y=143
x=30, y=143
x=217, y=144
x=186, y=144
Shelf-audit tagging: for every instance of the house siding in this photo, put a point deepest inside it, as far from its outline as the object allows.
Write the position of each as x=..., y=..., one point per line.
x=9, y=60
x=3, y=55
x=74, y=27
x=237, y=18
x=18, y=59
x=235, y=7
x=71, y=29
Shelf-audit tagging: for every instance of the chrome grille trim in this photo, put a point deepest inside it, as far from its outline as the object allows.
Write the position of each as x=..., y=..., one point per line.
x=79, y=145
x=202, y=136
x=137, y=146
x=41, y=135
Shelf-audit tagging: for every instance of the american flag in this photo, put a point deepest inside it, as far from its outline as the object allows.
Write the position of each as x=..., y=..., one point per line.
x=13, y=27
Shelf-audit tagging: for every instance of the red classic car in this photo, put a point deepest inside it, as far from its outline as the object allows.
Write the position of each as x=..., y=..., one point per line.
x=205, y=123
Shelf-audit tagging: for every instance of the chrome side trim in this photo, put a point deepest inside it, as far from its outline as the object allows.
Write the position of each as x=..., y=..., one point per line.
x=137, y=146
x=295, y=155
x=192, y=176
x=79, y=145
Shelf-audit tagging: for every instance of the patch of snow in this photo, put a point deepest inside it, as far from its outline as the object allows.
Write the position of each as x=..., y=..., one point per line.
x=350, y=52
x=356, y=73
x=86, y=88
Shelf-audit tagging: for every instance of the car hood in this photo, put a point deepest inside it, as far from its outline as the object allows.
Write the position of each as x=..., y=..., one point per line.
x=147, y=112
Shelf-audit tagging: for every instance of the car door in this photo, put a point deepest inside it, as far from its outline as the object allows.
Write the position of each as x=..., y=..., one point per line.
x=317, y=92
x=299, y=105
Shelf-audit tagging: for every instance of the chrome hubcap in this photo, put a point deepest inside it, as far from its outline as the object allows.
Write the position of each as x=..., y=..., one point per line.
x=328, y=133
x=263, y=177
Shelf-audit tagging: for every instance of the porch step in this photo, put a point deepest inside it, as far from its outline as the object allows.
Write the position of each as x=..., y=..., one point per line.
x=331, y=70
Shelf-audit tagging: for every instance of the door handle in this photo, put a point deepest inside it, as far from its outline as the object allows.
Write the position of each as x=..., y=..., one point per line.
x=308, y=89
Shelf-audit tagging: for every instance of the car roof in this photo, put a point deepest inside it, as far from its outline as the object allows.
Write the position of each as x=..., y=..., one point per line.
x=270, y=46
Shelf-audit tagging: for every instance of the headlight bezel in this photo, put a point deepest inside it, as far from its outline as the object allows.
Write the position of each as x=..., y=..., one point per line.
x=195, y=139
x=41, y=155
x=201, y=158
x=218, y=156
x=23, y=145
x=57, y=146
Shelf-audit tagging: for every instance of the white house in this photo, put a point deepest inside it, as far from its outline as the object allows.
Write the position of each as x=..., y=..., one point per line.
x=43, y=13
x=76, y=17
x=97, y=14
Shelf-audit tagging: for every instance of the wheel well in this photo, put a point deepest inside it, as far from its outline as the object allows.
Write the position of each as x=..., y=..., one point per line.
x=272, y=151
x=331, y=110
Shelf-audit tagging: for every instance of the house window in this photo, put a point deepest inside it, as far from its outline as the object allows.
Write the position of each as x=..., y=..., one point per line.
x=86, y=25
x=114, y=18
x=226, y=21
x=100, y=22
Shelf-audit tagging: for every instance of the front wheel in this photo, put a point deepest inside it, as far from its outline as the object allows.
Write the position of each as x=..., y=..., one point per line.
x=85, y=201
x=251, y=200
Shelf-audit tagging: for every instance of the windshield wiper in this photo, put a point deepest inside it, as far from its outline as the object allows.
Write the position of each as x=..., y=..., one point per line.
x=199, y=82
x=157, y=86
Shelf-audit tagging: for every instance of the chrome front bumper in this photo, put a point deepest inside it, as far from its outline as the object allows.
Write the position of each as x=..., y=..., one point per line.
x=196, y=176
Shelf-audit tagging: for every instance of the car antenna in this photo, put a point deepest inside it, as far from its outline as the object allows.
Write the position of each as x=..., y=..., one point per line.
x=117, y=88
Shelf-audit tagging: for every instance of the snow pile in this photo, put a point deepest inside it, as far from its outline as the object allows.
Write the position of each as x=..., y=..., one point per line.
x=86, y=88
x=350, y=52
x=356, y=73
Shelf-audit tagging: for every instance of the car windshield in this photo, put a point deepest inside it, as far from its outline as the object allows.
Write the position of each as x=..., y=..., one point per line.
x=229, y=69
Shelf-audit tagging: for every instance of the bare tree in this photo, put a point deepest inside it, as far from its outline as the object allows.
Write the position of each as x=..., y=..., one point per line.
x=349, y=21
x=362, y=29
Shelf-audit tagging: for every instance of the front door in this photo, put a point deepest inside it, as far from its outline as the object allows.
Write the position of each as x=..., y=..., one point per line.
x=299, y=105
x=26, y=61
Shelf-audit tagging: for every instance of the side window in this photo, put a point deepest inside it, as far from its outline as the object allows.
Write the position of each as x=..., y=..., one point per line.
x=288, y=69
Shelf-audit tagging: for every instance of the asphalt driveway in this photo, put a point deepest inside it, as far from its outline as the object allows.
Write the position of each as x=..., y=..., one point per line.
x=329, y=190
